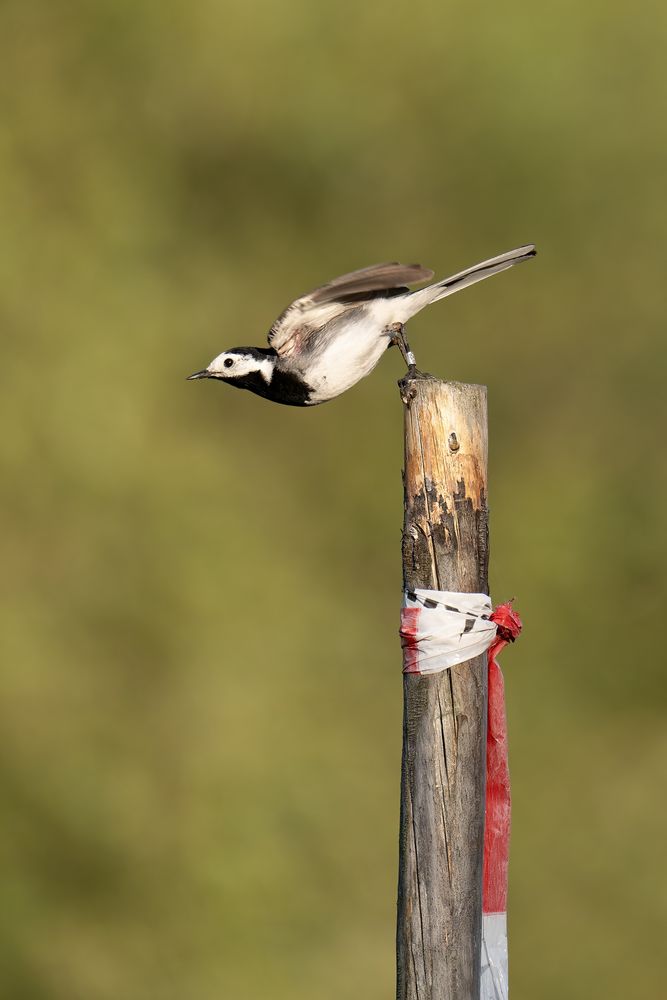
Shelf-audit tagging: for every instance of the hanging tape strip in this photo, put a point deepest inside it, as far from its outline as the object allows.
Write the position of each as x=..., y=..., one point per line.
x=494, y=976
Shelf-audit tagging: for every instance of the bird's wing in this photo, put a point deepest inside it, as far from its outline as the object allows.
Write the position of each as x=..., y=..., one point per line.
x=378, y=277
x=306, y=315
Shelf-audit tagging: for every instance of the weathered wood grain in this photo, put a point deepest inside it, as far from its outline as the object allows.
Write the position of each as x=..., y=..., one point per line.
x=445, y=547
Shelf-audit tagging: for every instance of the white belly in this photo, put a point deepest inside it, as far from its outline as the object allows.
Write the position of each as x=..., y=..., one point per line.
x=351, y=355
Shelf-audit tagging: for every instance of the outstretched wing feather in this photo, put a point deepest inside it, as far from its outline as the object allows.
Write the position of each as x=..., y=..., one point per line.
x=370, y=279
x=310, y=312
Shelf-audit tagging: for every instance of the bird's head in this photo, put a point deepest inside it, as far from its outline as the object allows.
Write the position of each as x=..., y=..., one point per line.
x=245, y=367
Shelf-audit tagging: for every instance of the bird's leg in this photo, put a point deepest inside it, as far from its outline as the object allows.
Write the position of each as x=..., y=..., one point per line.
x=399, y=338
x=406, y=384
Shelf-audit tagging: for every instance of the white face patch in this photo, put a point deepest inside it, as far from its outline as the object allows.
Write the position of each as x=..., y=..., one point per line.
x=236, y=364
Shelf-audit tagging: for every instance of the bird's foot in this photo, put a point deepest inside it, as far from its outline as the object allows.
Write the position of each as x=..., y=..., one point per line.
x=406, y=385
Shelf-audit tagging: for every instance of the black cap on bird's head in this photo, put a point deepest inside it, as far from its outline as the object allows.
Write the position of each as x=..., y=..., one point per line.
x=239, y=363
x=258, y=370
x=243, y=367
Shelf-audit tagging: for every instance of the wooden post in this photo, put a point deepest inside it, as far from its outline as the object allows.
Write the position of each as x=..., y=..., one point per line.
x=445, y=547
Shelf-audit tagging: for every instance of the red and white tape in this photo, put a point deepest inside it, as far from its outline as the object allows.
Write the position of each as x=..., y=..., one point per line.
x=438, y=630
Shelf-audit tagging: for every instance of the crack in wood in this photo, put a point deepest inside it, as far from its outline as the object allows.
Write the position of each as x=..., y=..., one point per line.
x=419, y=895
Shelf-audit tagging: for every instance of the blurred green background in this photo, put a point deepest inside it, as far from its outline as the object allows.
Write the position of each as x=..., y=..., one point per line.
x=201, y=691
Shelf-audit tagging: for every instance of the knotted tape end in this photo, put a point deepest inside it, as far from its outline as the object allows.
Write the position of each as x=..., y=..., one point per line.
x=507, y=620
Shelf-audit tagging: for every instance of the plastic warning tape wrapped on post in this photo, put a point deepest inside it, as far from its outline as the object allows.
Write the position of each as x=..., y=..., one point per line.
x=438, y=630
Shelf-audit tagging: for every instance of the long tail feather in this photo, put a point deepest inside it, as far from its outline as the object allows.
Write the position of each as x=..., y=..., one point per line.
x=433, y=293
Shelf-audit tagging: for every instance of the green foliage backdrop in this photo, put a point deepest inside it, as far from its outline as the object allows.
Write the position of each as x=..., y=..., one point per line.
x=201, y=692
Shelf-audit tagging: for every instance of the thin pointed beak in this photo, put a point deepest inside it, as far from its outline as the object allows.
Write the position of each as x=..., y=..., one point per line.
x=205, y=373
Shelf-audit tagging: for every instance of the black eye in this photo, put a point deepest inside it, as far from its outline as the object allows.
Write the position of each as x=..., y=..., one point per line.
x=228, y=362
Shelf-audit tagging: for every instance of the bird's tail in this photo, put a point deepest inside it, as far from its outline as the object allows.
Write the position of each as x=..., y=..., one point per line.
x=432, y=293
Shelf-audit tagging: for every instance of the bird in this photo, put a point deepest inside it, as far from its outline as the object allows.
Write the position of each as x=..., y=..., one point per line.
x=329, y=339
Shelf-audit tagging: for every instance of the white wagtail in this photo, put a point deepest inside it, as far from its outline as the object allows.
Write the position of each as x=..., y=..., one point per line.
x=329, y=339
